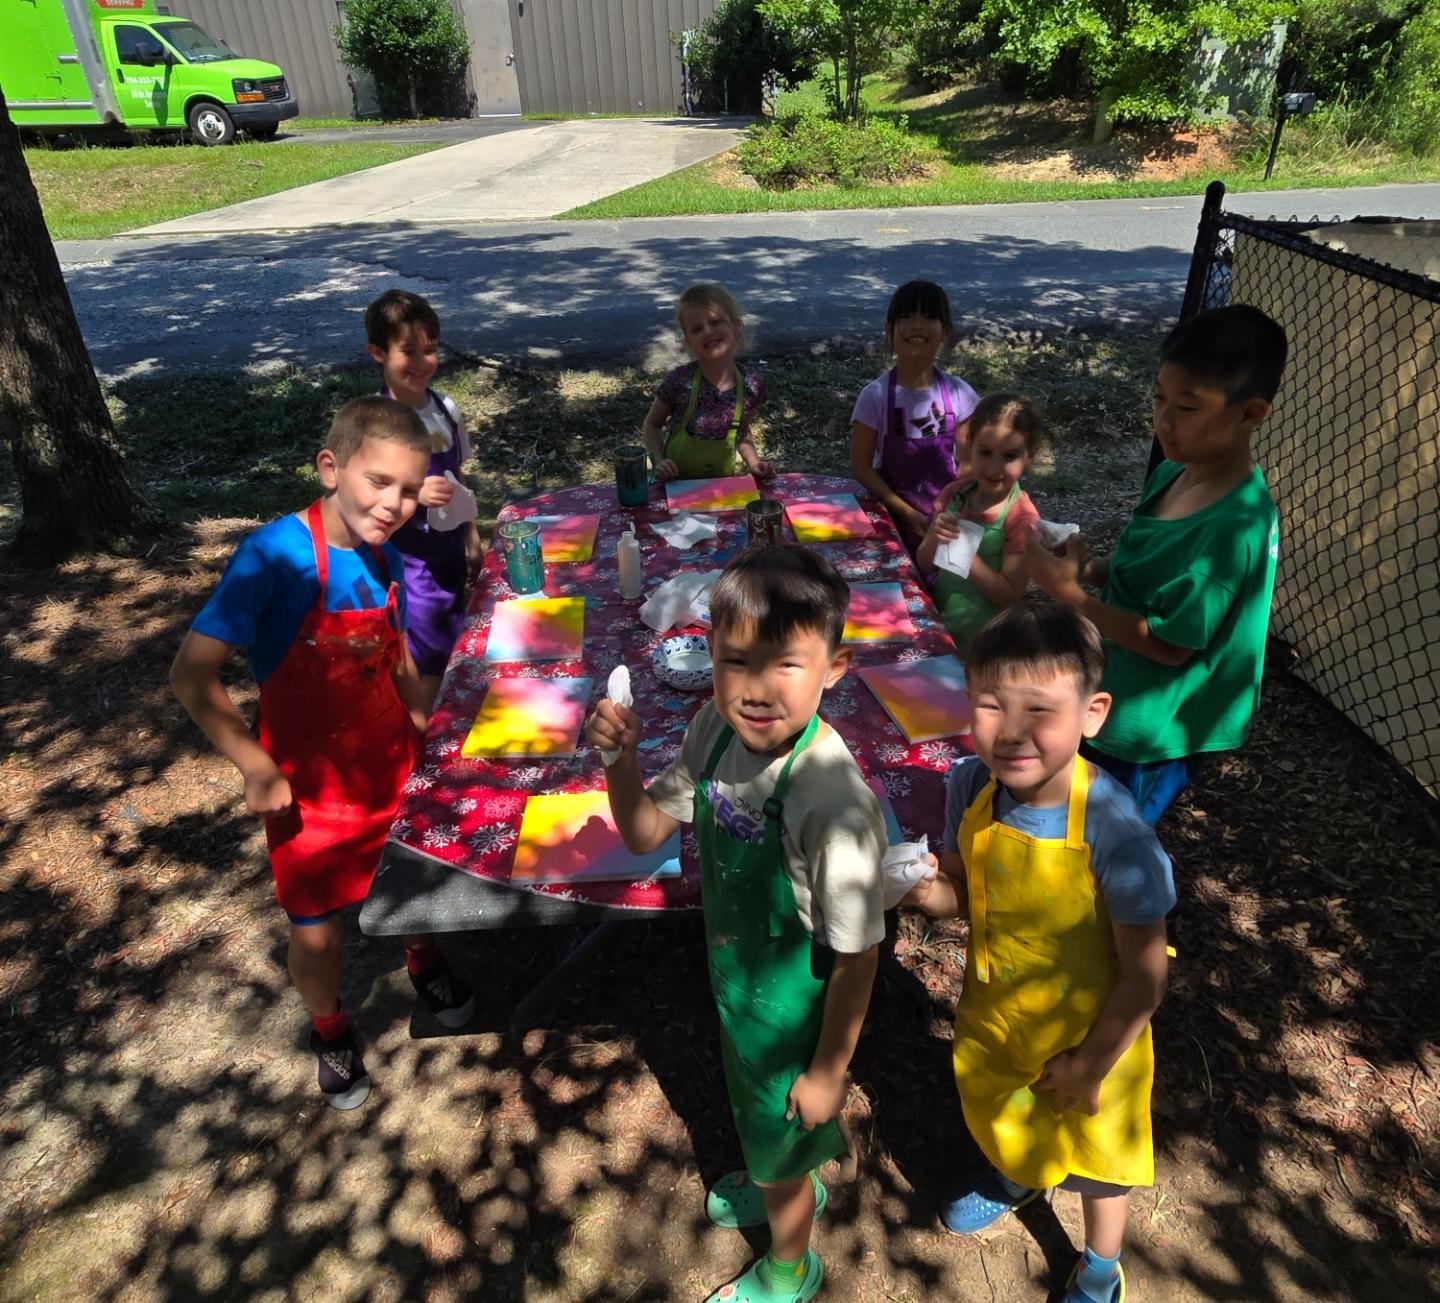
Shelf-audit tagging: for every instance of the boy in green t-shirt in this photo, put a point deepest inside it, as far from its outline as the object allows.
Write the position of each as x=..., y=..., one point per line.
x=1185, y=598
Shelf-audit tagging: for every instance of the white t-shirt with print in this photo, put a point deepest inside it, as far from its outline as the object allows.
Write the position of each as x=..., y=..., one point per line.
x=440, y=428
x=833, y=837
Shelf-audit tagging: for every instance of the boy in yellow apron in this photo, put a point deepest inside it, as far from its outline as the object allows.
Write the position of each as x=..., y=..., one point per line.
x=1066, y=890
x=791, y=841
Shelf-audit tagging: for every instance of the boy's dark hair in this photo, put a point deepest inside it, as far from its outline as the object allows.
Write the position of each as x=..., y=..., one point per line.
x=374, y=417
x=1037, y=638
x=919, y=299
x=1013, y=412
x=778, y=589
x=1236, y=349
x=387, y=317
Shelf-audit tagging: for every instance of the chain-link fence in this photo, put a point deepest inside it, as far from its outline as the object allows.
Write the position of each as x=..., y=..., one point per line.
x=1352, y=455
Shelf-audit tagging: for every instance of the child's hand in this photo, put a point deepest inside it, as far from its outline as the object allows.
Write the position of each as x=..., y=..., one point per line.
x=944, y=526
x=613, y=728
x=267, y=792
x=920, y=892
x=913, y=524
x=815, y=1098
x=1058, y=575
x=436, y=491
x=665, y=469
x=1068, y=1084
x=763, y=470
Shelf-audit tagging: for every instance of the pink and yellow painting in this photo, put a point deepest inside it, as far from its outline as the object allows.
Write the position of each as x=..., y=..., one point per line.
x=537, y=629
x=571, y=837
x=728, y=494
x=567, y=540
x=925, y=698
x=877, y=613
x=528, y=717
x=829, y=519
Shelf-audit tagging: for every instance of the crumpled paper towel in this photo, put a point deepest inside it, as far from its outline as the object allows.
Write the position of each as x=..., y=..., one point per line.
x=618, y=690
x=956, y=554
x=904, y=865
x=685, y=529
x=458, y=511
x=1051, y=535
x=684, y=599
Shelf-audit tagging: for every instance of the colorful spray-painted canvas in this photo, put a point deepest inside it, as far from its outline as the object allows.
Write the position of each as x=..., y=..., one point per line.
x=826, y=520
x=567, y=540
x=877, y=613
x=537, y=629
x=571, y=837
x=728, y=494
x=528, y=717
x=925, y=698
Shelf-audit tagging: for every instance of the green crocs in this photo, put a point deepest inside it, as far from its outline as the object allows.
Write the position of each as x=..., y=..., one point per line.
x=736, y=1201
x=750, y=1288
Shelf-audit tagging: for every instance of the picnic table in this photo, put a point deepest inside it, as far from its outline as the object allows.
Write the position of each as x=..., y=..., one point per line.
x=447, y=865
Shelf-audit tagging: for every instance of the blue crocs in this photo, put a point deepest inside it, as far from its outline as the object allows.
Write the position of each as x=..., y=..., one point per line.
x=1074, y=1294
x=982, y=1205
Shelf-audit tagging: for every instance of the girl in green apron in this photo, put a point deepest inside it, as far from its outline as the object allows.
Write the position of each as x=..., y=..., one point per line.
x=714, y=396
x=790, y=842
x=1004, y=437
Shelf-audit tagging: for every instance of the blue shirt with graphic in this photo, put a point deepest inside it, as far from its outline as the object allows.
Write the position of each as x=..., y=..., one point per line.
x=1131, y=869
x=271, y=582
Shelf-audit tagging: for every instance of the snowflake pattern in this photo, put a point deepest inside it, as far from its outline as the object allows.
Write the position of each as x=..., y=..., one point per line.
x=468, y=812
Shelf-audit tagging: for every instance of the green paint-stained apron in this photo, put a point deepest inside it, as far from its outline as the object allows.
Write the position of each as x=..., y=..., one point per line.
x=963, y=607
x=768, y=976
x=700, y=459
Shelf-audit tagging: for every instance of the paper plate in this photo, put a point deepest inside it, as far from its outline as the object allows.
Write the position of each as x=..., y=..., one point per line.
x=683, y=661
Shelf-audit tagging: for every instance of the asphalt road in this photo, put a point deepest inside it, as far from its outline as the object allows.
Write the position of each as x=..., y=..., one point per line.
x=597, y=291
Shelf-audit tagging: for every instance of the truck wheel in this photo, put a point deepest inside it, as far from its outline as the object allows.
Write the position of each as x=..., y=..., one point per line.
x=211, y=125
x=267, y=131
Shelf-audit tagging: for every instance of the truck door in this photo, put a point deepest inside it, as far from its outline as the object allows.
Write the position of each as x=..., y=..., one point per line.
x=141, y=71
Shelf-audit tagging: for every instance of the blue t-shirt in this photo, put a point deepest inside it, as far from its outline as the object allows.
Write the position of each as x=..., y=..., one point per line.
x=1131, y=869
x=271, y=582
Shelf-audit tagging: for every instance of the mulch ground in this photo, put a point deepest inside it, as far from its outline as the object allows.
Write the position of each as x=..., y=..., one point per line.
x=160, y=1135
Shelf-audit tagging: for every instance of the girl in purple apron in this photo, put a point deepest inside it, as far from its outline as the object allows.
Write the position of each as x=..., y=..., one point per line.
x=908, y=424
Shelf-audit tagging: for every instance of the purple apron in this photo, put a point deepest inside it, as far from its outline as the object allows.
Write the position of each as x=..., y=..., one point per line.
x=919, y=466
x=435, y=570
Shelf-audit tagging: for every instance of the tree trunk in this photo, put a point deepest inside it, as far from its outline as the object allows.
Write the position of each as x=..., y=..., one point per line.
x=74, y=495
x=1104, y=124
x=852, y=74
x=414, y=107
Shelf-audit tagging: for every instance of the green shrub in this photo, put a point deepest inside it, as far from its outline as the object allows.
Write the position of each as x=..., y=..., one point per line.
x=735, y=51
x=810, y=149
x=415, y=49
x=947, y=43
x=1412, y=104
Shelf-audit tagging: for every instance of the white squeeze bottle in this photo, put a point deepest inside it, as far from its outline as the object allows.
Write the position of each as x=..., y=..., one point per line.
x=627, y=552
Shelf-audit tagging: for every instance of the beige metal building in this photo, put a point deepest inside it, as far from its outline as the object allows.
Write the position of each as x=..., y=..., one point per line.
x=530, y=56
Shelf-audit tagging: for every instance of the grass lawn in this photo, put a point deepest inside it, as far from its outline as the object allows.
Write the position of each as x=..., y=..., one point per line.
x=992, y=150
x=100, y=190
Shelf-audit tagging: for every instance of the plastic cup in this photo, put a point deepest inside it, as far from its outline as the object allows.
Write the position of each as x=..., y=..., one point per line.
x=632, y=476
x=520, y=546
x=762, y=521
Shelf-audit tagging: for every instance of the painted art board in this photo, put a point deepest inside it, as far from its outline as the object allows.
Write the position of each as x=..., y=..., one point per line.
x=877, y=613
x=528, y=717
x=728, y=494
x=567, y=540
x=568, y=837
x=829, y=519
x=926, y=698
x=537, y=629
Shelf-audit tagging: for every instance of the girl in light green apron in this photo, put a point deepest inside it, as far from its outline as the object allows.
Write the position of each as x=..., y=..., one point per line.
x=713, y=396
x=790, y=1006
x=1004, y=437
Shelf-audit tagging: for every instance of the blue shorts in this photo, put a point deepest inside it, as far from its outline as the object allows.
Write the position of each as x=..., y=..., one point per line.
x=309, y=920
x=1154, y=785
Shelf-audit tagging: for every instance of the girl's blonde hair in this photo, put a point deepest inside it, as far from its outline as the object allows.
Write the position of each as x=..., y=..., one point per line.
x=707, y=295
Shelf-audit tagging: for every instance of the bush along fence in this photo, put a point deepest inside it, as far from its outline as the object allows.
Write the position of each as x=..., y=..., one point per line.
x=1352, y=455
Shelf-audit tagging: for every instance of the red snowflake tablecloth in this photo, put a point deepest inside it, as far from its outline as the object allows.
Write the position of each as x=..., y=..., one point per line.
x=466, y=813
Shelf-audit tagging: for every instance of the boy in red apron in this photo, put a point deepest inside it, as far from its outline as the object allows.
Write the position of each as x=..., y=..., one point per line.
x=791, y=841
x=1066, y=890
x=316, y=601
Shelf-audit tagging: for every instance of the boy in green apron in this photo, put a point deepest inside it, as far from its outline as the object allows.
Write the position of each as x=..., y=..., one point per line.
x=1185, y=598
x=791, y=840
x=1066, y=890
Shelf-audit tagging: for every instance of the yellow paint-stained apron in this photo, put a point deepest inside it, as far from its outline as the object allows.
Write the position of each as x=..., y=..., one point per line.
x=1041, y=966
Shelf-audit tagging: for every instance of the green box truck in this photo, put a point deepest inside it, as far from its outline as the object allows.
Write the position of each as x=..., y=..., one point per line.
x=72, y=65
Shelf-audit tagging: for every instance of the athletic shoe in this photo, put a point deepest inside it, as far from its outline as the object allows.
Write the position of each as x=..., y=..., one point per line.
x=341, y=1070
x=448, y=998
x=983, y=1204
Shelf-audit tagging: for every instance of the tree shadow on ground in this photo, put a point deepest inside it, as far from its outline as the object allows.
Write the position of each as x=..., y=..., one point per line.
x=162, y=1135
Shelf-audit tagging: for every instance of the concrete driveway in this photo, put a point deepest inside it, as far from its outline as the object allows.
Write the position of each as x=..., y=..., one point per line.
x=518, y=175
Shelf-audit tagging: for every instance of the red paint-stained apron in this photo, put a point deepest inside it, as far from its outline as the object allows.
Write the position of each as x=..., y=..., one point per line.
x=332, y=719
